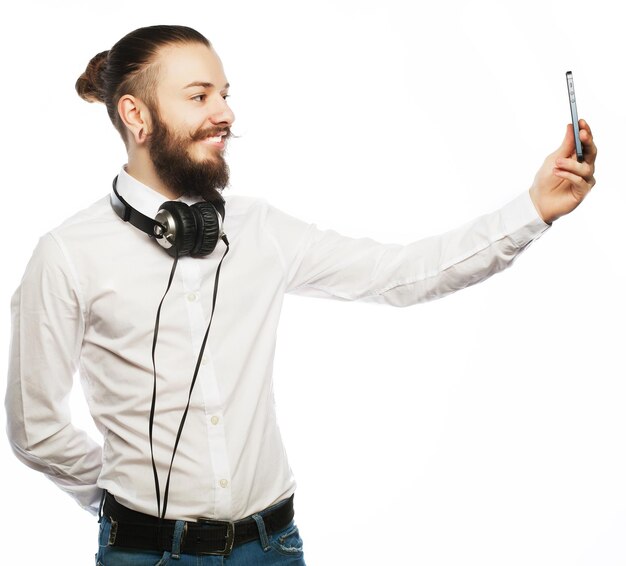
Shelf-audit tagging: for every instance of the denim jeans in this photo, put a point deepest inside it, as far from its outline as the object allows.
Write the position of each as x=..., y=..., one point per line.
x=281, y=548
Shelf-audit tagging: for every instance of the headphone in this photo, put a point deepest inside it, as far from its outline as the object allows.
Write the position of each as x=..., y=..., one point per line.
x=179, y=228
x=182, y=230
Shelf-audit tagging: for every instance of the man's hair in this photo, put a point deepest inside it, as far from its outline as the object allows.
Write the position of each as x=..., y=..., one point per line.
x=129, y=68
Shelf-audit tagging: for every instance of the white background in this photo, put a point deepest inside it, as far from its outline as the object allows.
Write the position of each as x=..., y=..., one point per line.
x=486, y=428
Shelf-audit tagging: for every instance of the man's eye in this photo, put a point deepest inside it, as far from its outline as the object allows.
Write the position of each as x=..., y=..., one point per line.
x=225, y=96
x=198, y=97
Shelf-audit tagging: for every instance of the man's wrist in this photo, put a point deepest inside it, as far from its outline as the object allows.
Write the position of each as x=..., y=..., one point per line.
x=536, y=200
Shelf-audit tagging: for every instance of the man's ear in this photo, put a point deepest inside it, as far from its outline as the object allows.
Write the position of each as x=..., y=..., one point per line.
x=136, y=116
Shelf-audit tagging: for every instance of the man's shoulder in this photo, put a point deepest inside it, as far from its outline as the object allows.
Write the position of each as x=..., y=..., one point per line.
x=251, y=208
x=238, y=205
x=87, y=219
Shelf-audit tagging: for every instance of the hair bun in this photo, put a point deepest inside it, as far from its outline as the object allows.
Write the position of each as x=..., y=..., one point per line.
x=89, y=85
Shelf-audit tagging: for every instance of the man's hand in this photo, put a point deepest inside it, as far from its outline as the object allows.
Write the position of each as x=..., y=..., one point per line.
x=562, y=183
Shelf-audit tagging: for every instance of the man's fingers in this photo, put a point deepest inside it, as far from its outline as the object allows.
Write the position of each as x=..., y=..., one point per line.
x=582, y=184
x=583, y=169
x=586, y=138
x=583, y=125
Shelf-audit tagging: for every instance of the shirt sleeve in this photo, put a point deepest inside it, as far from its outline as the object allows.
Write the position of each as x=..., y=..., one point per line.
x=323, y=263
x=47, y=332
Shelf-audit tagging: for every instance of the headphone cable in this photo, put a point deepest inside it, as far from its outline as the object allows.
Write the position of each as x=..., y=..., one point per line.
x=193, y=381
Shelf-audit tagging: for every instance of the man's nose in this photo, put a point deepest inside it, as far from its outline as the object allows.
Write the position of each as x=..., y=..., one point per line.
x=221, y=113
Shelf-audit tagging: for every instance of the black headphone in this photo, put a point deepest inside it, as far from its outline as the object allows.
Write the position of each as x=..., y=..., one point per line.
x=182, y=230
x=189, y=230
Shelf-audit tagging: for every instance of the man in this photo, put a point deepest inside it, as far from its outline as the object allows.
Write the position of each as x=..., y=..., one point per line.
x=192, y=467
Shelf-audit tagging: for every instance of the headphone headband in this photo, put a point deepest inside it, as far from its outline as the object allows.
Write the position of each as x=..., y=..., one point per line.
x=129, y=214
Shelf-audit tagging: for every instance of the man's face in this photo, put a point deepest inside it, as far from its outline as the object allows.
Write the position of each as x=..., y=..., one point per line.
x=192, y=121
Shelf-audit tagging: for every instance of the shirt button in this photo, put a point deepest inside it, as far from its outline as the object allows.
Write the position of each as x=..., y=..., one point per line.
x=192, y=297
x=205, y=361
x=224, y=483
x=215, y=420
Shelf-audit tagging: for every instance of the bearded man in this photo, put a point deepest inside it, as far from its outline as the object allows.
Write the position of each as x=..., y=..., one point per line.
x=192, y=466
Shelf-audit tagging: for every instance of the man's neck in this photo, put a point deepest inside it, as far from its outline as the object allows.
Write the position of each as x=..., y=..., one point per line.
x=143, y=171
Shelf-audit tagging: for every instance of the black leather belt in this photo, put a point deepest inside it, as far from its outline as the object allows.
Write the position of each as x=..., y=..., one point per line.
x=131, y=529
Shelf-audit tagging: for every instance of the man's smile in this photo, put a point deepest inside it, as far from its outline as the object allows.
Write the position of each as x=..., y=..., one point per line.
x=217, y=141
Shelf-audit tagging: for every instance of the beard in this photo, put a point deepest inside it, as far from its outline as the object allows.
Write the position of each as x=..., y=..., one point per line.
x=179, y=171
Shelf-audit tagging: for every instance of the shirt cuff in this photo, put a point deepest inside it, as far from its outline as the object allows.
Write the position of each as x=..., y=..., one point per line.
x=521, y=220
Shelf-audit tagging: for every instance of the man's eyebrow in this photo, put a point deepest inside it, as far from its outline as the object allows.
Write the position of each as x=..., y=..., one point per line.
x=204, y=85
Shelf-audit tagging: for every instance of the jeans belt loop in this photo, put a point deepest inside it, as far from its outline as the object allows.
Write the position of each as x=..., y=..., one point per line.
x=180, y=530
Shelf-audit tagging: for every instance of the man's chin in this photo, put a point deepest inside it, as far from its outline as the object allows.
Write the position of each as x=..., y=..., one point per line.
x=190, y=169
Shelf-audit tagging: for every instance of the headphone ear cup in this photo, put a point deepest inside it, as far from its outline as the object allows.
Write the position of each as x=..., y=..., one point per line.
x=208, y=232
x=185, y=221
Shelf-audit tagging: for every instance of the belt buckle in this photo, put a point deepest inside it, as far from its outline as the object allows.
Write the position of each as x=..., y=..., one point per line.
x=230, y=535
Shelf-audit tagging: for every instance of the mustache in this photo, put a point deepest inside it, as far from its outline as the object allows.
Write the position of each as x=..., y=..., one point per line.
x=211, y=132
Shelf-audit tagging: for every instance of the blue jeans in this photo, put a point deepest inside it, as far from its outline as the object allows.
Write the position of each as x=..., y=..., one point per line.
x=281, y=548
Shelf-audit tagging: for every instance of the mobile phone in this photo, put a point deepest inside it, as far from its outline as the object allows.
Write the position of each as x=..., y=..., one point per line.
x=572, y=106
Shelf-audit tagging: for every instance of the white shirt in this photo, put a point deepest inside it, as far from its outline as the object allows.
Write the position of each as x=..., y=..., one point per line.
x=88, y=301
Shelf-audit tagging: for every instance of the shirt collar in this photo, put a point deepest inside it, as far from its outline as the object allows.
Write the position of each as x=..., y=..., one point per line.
x=141, y=197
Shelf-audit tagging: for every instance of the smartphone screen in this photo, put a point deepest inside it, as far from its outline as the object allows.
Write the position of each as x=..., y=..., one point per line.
x=572, y=106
